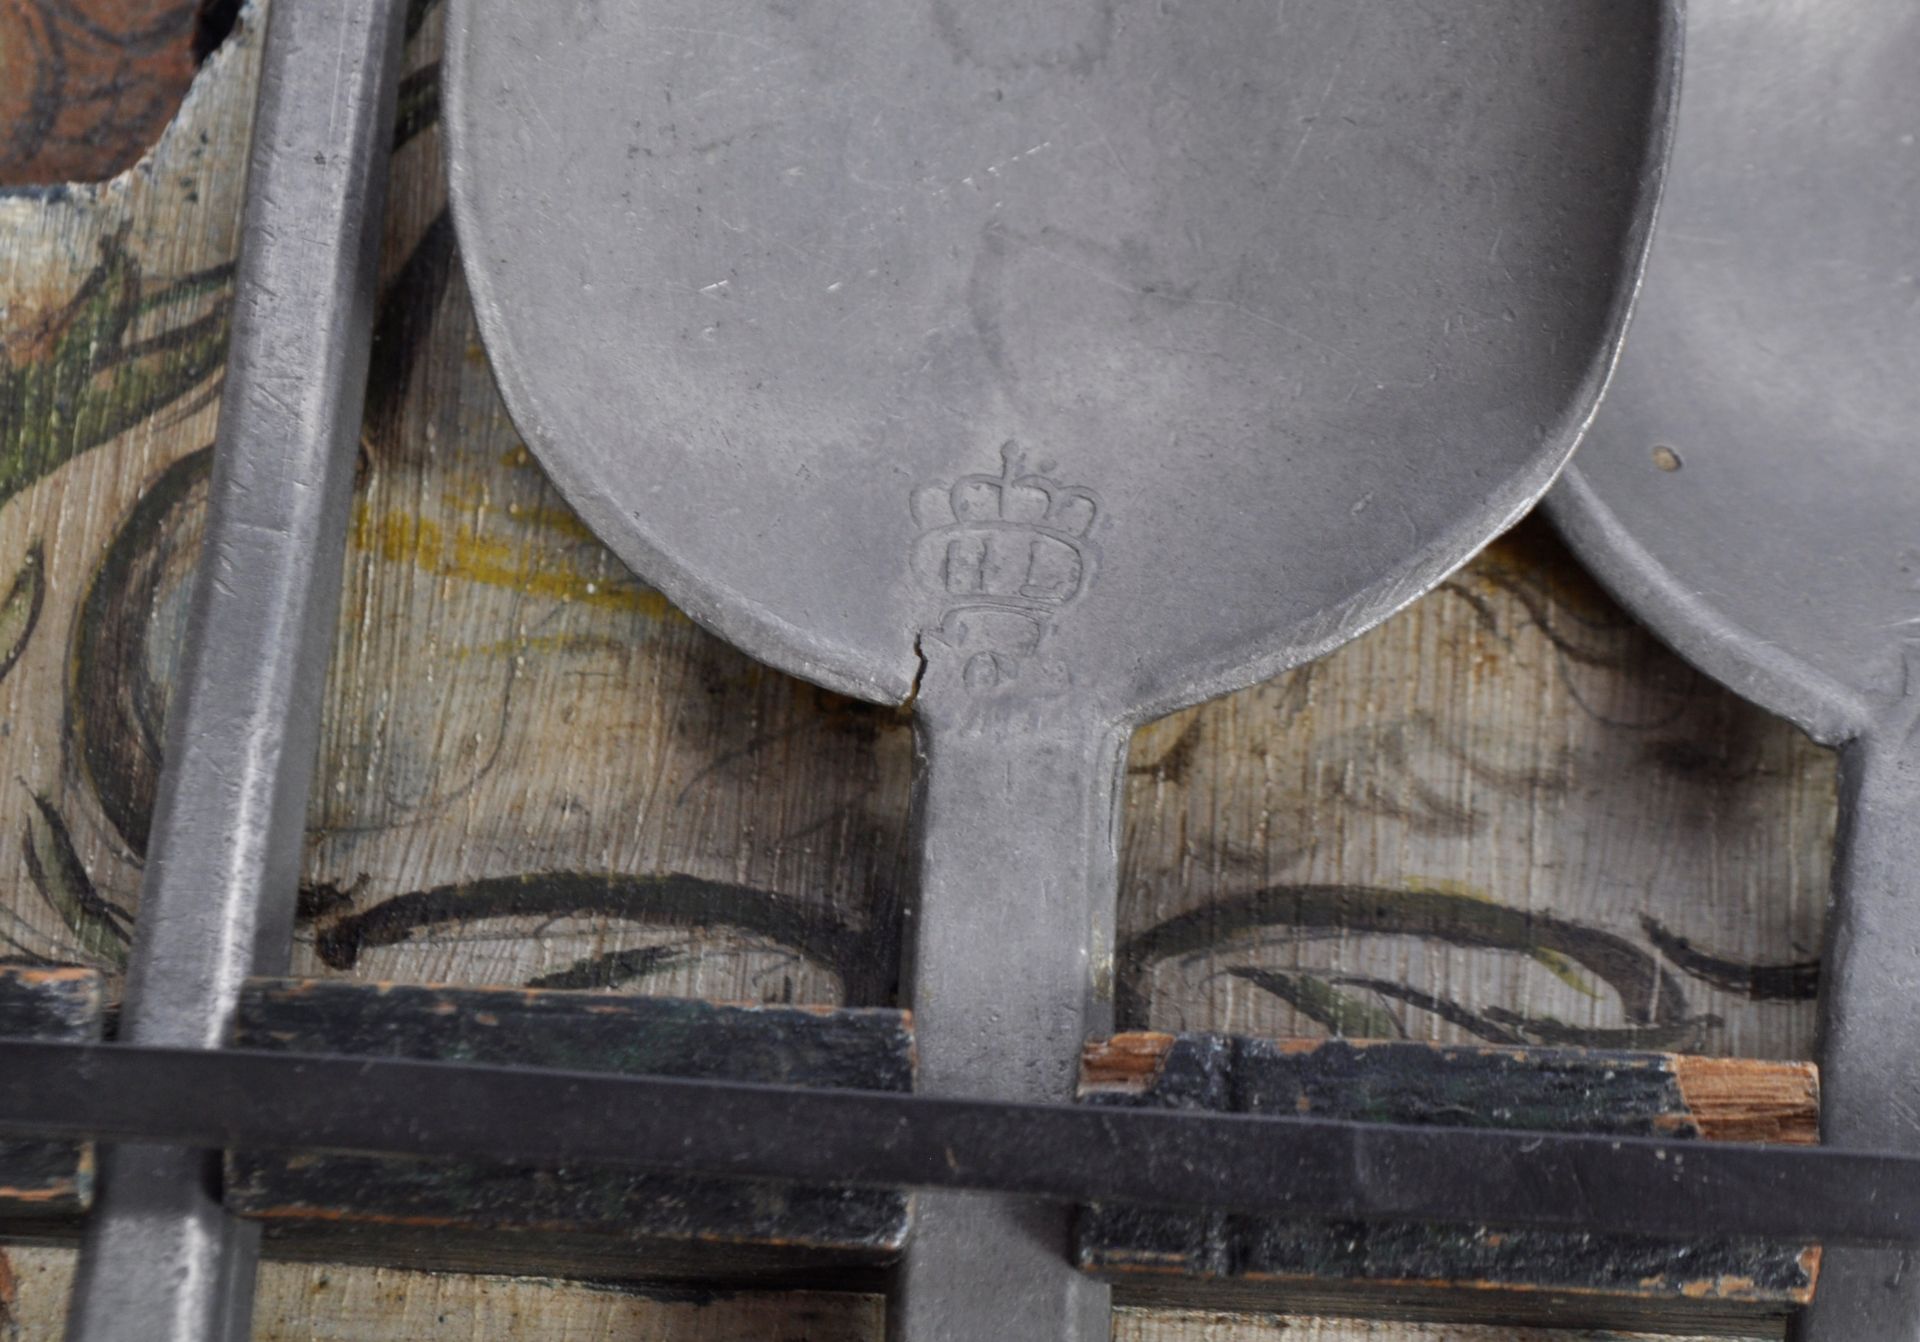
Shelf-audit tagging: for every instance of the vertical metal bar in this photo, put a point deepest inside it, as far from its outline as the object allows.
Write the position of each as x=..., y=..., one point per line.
x=1869, y=1040
x=161, y=1261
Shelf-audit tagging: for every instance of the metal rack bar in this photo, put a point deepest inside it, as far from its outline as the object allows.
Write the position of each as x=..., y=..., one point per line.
x=162, y=1262
x=1266, y=1165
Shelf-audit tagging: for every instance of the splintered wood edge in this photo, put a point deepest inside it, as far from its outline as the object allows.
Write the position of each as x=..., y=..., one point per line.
x=1750, y=1100
x=1124, y=1064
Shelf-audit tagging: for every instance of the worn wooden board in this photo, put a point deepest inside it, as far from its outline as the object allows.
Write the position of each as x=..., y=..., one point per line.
x=46, y=1180
x=1430, y=1271
x=602, y=1224
x=610, y=1225
x=1507, y=815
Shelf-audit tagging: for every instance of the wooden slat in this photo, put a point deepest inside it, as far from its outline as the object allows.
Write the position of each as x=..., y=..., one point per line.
x=1442, y=1271
x=46, y=1181
x=580, y=1223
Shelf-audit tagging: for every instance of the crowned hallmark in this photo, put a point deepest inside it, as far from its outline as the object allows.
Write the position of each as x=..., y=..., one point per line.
x=1005, y=554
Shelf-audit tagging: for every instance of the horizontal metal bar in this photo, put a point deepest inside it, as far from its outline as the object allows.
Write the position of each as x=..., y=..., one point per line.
x=1275, y=1166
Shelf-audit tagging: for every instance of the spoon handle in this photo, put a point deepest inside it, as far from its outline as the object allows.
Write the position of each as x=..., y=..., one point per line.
x=1010, y=952
x=1870, y=1022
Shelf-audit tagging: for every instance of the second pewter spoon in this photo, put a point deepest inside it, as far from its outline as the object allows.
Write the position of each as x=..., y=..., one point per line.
x=1751, y=489
x=1053, y=366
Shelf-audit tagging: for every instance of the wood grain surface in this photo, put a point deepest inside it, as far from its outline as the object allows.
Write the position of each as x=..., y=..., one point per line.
x=1508, y=815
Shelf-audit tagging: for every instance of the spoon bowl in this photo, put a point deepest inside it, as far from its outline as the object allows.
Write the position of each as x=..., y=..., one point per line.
x=1307, y=300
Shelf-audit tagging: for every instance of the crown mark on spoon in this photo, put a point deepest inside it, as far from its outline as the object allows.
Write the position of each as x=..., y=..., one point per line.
x=1004, y=554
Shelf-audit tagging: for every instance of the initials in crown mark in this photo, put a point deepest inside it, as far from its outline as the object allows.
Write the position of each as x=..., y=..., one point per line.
x=1005, y=553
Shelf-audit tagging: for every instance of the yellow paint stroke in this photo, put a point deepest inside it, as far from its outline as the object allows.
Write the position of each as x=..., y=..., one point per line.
x=560, y=521
x=1555, y=963
x=464, y=554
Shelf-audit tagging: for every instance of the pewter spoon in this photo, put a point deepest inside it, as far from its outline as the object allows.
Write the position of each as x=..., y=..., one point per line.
x=1052, y=366
x=1751, y=488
